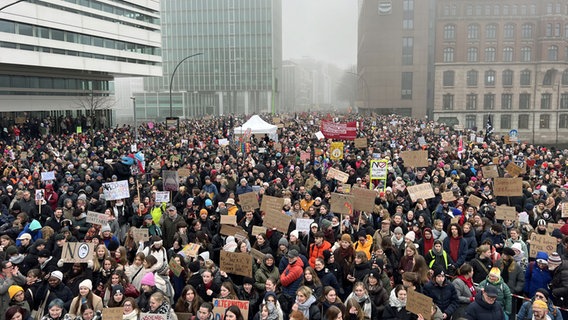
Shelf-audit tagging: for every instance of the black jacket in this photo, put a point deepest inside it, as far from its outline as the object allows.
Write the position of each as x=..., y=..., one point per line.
x=479, y=309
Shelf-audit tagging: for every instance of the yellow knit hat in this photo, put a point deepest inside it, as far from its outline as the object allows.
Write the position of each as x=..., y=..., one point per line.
x=539, y=304
x=495, y=271
x=13, y=290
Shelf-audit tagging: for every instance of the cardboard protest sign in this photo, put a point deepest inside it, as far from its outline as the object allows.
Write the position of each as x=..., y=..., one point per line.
x=448, y=196
x=496, y=160
x=237, y=232
x=514, y=169
x=112, y=313
x=361, y=143
x=564, y=209
x=418, y=303
x=238, y=263
x=175, y=267
x=305, y=156
x=417, y=158
x=474, y=201
x=248, y=201
x=551, y=226
x=270, y=203
x=346, y=188
x=505, y=213
x=190, y=250
x=171, y=180
x=508, y=187
x=256, y=254
x=278, y=220
x=162, y=196
x=364, y=199
x=541, y=243
x=421, y=191
x=256, y=230
x=116, y=190
x=152, y=316
x=97, y=218
x=220, y=305
x=303, y=225
x=490, y=171
x=39, y=194
x=140, y=234
x=342, y=203
x=184, y=172
x=48, y=176
x=230, y=220
x=77, y=252
x=337, y=175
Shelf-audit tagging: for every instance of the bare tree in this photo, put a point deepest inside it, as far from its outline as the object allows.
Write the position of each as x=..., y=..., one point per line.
x=93, y=103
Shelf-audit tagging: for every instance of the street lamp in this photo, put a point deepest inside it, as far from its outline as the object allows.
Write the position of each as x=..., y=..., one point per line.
x=135, y=119
x=11, y=4
x=172, y=78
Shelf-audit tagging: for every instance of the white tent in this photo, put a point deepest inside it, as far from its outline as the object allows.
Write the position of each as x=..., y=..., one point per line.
x=257, y=126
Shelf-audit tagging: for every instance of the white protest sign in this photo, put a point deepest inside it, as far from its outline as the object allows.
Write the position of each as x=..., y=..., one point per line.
x=162, y=196
x=116, y=190
x=303, y=225
x=39, y=194
x=97, y=218
x=48, y=176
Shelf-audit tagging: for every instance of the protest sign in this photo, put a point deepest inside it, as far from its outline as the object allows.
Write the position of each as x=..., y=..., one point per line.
x=237, y=232
x=184, y=172
x=543, y=243
x=248, y=201
x=303, y=225
x=339, y=131
x=140, y=234
x=474, y=201
x=346, y=188
x=363, y=199
x=342, y=203
x=45, y=176
x=551, y=226
x=97, y=218
x=361, y=143
x=256, y=230
x=270, y=203
x=153, y=316
x=162, y=196
x=39, y=194
x=417, y=158
x=564, y=209
x=505, y=213
x=490, y=171
x=448, y=196
x=514, y=169
x=220, y=305
x=256, y=254
x=116, y=190
x=337, y=175
x=278, y=220
x=230, y=220
x=336, y=151
x=421, y=191
x=190, y=250
x=77, y=252
x=238, y=263
x=175, y=267
x=508, y=187
x=305, y=156
x=113, y=313
x=418, y=303
x=379, y=169
x=223, y=142
x=171, y=180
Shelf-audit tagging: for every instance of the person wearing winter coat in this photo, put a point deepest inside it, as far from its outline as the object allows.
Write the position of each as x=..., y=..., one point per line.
x=503, y=291
x=455, y=245
x=9, y=275
x=378, y=295
x=482, y=263
x=159, y=304
x=437, y=258
x=396, y=308
x=559, y=283
x=362, y=297
x=291, y=278
x=442, y=292
x=512, y=274
x=326, y=277
x=266, y=270
x=526, y=311
x=306, y=303
x=485, y=306
x=537, y=274
x=470, y=240
x=465, y=288
x=318, y=247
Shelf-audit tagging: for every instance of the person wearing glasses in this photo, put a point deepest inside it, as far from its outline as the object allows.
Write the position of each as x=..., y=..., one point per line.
x=485, y=306
x=541, y=294
x=131, y=310
x=10, y=275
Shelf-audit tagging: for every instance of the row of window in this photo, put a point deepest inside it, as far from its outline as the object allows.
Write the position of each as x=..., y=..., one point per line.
x=489, y=78
x=407, y=14
x=119, y=11
x=27, y=82
x=73, y=37
x=489, y=101
x=523, y=121
x=508, y=54
x=504, y=10
x=509, y=32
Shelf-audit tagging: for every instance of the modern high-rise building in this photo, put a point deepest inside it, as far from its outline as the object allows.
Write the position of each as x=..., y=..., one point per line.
x=58, y=55
x=394, y=57
x=237, y=67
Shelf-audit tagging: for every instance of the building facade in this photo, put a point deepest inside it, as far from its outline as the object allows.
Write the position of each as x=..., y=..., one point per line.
x=395, y=57
x=237, y=68
x=56, y=56
x=507, y=60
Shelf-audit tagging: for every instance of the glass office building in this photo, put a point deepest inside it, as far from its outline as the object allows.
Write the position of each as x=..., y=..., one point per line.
x=239, y=66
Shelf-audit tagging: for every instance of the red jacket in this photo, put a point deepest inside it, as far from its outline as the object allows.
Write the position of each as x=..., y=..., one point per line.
x=292, y=273
x=317, y=252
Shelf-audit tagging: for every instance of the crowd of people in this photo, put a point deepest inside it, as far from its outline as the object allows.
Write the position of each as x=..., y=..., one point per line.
x=356, y=266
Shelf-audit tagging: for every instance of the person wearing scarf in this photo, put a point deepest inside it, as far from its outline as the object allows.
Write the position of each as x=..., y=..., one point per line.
x=396, y=308
x=512, y=274
x=427, y=241
x=361, y=295
x=306, y=304
x=464, y=288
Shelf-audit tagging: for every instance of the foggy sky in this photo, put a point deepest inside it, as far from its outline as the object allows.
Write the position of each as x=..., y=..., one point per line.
x=322, y=29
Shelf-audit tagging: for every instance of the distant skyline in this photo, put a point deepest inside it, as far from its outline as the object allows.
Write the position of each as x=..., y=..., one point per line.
x=325, y=30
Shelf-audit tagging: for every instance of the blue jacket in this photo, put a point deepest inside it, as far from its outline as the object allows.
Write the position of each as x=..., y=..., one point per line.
x=536, y=278
x=462, y=251
x=526, y=311
x=443, y=296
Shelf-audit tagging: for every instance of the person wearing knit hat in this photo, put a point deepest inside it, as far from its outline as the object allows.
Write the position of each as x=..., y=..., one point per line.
x=15, y=290
x=554, y=261
x=325, y=224
x=283, y=242
x=540, y=310
x=148, y=280
x=85, y=297
x=495, y=280
x=495, y=273
x=346, y=237
x=364, y=243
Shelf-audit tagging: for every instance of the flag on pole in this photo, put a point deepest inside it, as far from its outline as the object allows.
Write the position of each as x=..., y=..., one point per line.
x=460, y=147
x=488, y=129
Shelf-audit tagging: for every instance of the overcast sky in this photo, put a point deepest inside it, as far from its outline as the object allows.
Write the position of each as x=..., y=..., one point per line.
x=322, y=29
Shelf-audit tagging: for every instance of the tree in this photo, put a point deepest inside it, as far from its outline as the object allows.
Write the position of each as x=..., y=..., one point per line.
x=93, y=103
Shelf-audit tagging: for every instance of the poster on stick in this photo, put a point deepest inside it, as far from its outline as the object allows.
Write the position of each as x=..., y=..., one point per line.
x=238, y=263
x=337, y=175
x=417, y=158
x=506, y=213
x=364, y=199
x=543, y=243
x=342, y=203
x=116, y=190
x=508, y=187
x=248, y=201
x=421, y=191
x=77, y=252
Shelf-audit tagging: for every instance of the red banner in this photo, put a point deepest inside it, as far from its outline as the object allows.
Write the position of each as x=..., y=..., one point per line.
x=339, y=131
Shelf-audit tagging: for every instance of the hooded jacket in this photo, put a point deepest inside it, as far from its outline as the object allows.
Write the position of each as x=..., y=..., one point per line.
x=479, y=309
x=444, y=296
x=503, y=295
